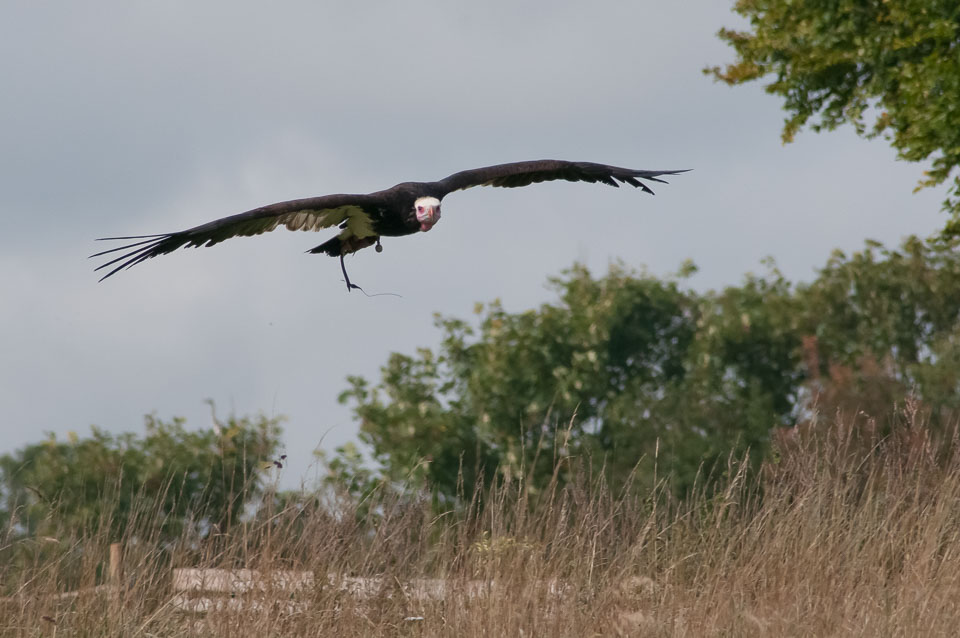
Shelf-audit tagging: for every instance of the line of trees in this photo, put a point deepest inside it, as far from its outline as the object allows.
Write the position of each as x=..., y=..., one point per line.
x=203, y=479
x=642, y=376
x=632, y=370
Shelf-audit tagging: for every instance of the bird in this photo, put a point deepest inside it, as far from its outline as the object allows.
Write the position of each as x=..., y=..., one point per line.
x=364, y=219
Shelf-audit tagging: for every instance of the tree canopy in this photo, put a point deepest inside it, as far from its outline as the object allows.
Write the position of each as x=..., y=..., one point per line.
x=895, y=62
x=630, y=371
x=203, y=478
x=640, y=377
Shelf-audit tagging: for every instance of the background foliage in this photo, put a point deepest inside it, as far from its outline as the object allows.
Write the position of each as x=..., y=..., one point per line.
x=640, y=378
x=632, y=371
x=895, y=62
x=204, y=479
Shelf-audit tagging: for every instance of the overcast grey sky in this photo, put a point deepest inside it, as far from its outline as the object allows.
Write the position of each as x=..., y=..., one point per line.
x=125, y=118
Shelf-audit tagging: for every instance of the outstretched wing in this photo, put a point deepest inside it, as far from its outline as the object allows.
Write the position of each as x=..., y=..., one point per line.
x=526, y=173
x=350, y=212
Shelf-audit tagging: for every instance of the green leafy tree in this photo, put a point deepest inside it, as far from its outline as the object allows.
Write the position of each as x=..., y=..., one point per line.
x=745, y=370
x=629, y=370
x=896, y=62
x=204, y=479
x=882, y=323
x=617, y=367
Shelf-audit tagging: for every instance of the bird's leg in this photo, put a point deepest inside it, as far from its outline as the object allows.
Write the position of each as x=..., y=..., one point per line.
x=343, y=267
x=352, y=245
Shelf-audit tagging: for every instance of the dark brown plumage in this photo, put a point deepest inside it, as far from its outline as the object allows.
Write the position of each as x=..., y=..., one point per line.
x=364, y=219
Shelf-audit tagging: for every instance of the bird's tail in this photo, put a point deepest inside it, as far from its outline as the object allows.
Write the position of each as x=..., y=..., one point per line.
x=332, y=247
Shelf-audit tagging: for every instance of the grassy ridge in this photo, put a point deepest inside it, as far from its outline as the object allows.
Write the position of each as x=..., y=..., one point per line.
x=846, y=533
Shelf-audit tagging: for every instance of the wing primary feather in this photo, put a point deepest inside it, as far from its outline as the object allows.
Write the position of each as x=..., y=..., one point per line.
x=115, y=270
x=145, y=250
x=132, y=259
x=125, y=246
x=126, y=255
x=638, y=184
x=132, y=237
x=657, y=179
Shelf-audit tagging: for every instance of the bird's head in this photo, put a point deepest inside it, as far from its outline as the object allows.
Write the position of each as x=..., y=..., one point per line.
x=427, y=210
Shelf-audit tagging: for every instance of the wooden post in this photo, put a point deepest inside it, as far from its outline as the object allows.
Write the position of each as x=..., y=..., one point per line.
x=115, y=574
x=116, y=564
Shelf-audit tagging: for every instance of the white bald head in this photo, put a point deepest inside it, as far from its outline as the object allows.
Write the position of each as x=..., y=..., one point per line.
x=428, y=212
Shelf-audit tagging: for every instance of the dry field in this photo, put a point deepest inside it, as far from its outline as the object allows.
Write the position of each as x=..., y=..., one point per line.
x=846, y=534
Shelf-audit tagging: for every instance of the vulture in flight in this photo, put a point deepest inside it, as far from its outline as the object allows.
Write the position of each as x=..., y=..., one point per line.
x=405, y=209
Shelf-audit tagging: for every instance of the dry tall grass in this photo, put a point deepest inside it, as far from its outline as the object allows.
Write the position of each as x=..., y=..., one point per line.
x=846, y=534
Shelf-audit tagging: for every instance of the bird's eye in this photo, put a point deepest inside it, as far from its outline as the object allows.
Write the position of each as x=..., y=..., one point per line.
x=419, y=209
